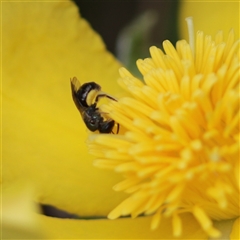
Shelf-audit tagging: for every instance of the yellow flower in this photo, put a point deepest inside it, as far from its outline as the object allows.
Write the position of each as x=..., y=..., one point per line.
x=179, y=144
x=44, y=156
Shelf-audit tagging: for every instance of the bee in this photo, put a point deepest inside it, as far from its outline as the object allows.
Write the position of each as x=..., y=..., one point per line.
x=86, y=97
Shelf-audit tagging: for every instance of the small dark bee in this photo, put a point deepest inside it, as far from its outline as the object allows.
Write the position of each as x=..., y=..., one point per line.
x=83, y=96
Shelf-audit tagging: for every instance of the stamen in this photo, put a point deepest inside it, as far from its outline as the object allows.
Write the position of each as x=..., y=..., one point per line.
x=155, y=220
x=177, y=225
x=179, y=144
x=191, y=33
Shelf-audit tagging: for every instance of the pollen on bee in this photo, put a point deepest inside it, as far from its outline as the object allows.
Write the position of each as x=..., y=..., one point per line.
x=91, y=96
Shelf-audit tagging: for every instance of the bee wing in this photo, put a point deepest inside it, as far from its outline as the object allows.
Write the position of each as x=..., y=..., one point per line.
x=75, y=84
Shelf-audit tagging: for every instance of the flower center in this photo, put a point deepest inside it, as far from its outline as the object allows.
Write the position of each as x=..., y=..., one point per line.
x=178, y=147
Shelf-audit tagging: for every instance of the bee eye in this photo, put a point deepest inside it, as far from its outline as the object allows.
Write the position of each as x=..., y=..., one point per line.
x=92, y=124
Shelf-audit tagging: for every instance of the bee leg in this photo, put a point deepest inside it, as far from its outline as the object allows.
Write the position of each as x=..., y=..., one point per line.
x=103, y=94
x=117, y=128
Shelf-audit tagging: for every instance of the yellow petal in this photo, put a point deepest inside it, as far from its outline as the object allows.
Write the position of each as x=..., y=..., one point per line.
x=19, y=213
x=235, y=234
x=210, y=16
x=44, y=44
x=21, y=220
x=124, y=228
